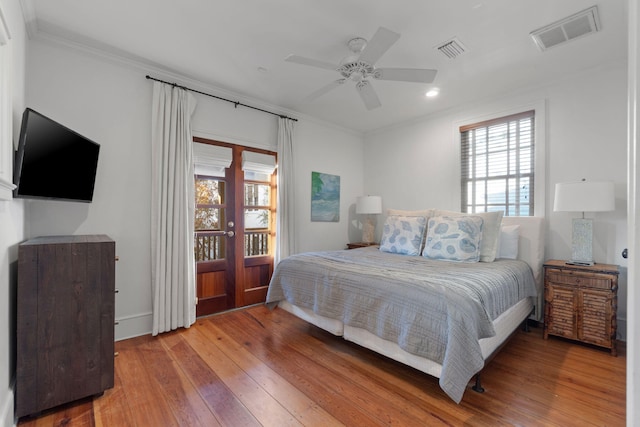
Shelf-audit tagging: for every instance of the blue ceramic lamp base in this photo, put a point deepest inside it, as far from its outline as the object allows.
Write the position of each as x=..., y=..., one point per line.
x=582, y=242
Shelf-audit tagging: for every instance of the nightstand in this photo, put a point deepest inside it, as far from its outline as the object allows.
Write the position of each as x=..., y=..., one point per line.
x=360, y=245
x=581, y=302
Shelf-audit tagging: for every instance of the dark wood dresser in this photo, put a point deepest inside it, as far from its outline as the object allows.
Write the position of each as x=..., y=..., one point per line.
x=65, y=320
x=581, y=302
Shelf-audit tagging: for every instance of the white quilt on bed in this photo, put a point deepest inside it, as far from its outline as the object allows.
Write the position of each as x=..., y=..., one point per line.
x=434, y=309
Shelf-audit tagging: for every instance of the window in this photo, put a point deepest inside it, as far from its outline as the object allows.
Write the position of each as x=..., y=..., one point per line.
x=258, y=203
x=498, y=165
x=210, y=243
x=257, y=214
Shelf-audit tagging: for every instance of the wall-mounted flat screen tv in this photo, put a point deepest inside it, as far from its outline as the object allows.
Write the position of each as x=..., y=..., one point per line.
x=53, y=162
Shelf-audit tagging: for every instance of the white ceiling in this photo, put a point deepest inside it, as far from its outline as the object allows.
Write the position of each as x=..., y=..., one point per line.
x=224, y=43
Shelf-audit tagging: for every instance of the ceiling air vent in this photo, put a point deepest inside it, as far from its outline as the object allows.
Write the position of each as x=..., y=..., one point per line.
x=572, y=27
x=452, y=48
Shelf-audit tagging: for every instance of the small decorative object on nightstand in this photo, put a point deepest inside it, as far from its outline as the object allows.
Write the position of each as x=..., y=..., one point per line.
x=581, y=302
x=360, y=245
x=368, y=206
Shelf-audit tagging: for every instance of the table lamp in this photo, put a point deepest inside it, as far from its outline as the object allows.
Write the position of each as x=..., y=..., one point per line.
x=583, y=196
x=368, y=205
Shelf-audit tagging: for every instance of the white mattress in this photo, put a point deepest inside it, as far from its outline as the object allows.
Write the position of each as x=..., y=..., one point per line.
x=504, y=325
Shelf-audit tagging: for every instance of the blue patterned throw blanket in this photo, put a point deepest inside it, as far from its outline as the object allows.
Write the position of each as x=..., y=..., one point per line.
x=433, y=309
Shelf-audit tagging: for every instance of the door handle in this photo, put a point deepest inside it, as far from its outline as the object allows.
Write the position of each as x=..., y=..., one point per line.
x=230, y=233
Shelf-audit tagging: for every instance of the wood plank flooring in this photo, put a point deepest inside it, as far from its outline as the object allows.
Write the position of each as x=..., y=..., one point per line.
x=255, y=367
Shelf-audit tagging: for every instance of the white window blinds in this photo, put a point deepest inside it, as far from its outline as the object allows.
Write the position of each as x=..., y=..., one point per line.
x=258, y=162
x=497, y=165
x=211, y=160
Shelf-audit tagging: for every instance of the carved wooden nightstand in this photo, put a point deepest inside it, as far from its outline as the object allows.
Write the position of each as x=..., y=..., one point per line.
x=360, y=245
x=581, y=302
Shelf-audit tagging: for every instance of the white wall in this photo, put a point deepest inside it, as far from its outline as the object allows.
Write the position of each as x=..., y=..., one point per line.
x=110, y=102
x=327, y=150
x=110, y=105
x=633, y=300
x=11, y=219
x=416, y=166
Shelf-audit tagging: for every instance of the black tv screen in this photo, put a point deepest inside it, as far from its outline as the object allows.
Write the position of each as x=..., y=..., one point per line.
x=54, y=162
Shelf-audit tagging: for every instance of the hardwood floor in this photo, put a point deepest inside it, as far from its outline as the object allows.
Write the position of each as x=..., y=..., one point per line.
x=256, y=367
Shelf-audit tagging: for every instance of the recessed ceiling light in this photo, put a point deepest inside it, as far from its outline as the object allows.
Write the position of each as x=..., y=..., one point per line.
x=432, y=92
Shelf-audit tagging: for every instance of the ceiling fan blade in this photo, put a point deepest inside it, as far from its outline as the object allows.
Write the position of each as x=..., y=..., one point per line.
x=311, y=62
x=381, y=41
x=416, y=75
x=325, y=89
x=368, y=95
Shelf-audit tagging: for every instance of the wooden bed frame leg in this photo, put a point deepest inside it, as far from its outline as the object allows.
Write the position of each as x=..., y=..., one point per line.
x=477, y=387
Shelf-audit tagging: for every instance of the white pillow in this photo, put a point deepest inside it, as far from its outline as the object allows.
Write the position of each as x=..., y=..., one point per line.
x=508, y=243
x=454, y=238
x=403, y=234
x=490, y=231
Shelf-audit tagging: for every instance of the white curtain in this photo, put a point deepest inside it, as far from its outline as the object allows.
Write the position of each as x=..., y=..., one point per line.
x=172, y=209
x=285, y=220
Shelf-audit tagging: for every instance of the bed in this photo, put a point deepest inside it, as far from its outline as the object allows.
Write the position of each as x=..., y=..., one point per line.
x=446, y=319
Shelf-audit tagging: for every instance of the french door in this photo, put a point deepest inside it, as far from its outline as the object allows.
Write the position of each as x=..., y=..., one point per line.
x=234, y=233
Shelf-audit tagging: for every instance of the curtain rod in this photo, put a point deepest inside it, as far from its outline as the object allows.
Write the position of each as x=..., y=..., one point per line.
x=236, y=103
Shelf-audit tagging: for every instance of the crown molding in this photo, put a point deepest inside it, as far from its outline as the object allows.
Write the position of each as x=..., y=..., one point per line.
x=5, y=35
x=30, y=19
x=107, y=53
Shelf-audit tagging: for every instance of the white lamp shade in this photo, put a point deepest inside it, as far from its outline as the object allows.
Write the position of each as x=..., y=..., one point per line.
x=584, y=196
x=369, y=205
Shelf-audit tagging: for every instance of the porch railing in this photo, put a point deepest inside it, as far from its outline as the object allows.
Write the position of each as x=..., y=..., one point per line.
x=256, y=243
x=211, y=245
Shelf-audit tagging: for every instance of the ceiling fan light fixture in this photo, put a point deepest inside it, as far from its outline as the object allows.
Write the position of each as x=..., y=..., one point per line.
x=356, y=76
x=358, y=66
x=349, y=59
x=357, y=44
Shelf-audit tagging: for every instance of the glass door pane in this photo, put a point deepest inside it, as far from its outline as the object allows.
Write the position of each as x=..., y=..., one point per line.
x=210, y=218
x=257, y=218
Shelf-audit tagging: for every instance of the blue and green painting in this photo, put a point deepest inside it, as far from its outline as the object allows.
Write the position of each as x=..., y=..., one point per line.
x=325, y=197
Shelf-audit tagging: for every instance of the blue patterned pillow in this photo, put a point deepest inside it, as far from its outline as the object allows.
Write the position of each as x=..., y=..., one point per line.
x=454, y=238
x=403, y=234
x=490, y=231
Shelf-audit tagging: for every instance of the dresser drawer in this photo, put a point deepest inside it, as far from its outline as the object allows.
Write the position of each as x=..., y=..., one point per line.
x=575, y=278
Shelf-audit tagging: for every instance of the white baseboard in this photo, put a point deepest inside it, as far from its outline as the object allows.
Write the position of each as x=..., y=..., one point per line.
x=133, y=326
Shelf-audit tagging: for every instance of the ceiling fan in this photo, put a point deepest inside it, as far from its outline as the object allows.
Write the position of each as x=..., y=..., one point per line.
x=358, y=66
